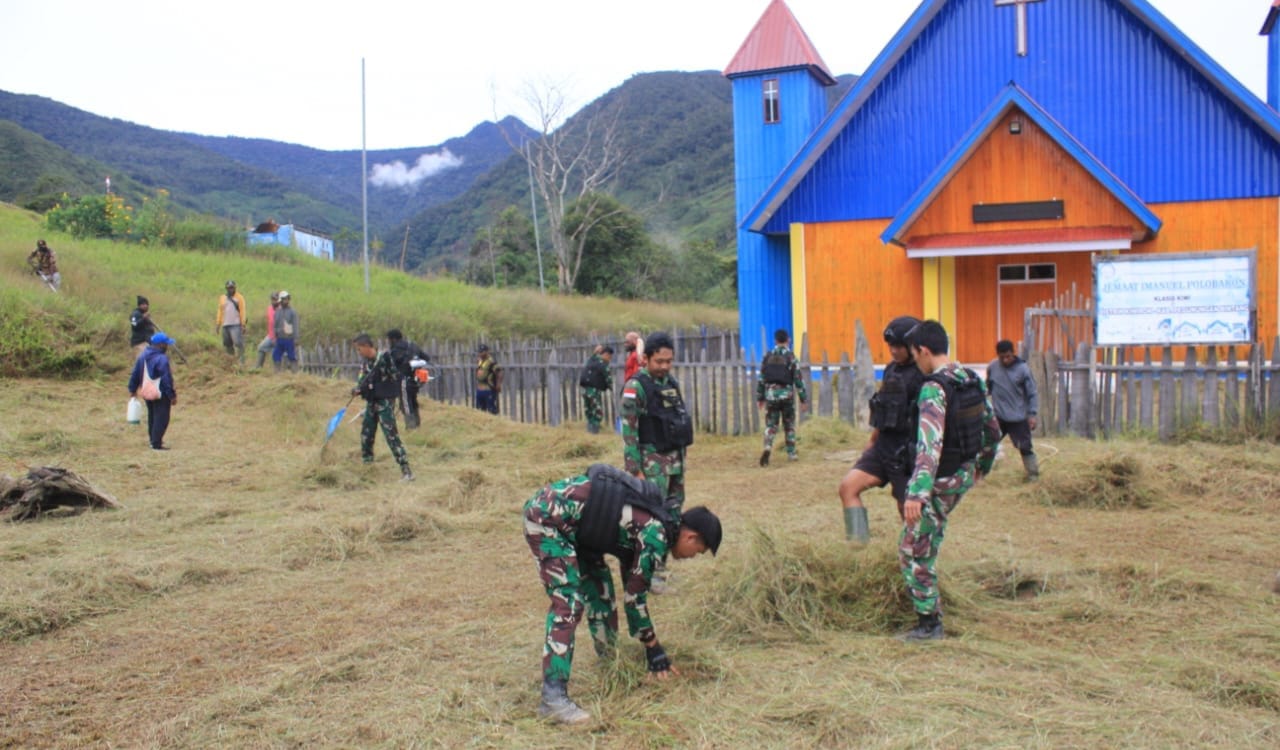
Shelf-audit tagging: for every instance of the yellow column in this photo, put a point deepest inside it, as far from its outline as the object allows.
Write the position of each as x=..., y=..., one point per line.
x=799, y=289
x=939, y=277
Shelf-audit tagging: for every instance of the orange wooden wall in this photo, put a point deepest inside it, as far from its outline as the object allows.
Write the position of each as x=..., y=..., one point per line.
x=1007, y=168
x=851, y=275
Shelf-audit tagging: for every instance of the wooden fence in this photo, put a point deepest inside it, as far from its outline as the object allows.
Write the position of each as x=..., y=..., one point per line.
x=1108, y=391
x=540, y=379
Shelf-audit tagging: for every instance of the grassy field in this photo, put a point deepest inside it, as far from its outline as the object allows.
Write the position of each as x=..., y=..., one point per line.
x=253, y=593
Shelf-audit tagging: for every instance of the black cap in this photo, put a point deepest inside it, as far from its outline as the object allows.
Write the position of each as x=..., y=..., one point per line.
x=230, y=283
x=705, y=523
x=482, y=348
x=896, y=332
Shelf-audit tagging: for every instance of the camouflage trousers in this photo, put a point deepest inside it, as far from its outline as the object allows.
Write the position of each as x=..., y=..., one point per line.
x=667, y=471
x=593, y=407
x=784, y=412
x=918, y=551
x=574, y=584
x=382, y=411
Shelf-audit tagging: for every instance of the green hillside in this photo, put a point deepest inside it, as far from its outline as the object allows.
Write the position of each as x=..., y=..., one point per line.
x=35, y=172
x=84, y=330
x=198, y=178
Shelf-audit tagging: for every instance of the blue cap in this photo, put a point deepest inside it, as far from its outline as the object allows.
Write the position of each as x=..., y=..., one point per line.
x=162, y=338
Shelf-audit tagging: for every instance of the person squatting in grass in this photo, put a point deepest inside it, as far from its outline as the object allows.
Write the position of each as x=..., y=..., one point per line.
x=595, y=381
x=779, y=383
x=379, y=384
x=154, y=364
x=1014, y=396
x=887, y=459
x=955, y=447
x=570, y=526
x=44, y=263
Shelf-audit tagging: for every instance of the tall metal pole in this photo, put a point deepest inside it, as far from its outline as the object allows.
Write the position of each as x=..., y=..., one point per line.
x=533, y=203
x=364, y=178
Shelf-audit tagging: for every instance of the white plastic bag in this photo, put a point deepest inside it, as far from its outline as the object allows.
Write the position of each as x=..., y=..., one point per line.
x=133, y=415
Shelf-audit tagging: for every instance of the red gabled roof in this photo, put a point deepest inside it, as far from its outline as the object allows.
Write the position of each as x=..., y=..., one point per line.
x=775, y=43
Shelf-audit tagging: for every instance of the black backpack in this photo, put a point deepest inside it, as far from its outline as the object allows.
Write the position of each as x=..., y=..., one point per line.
x=966, y=415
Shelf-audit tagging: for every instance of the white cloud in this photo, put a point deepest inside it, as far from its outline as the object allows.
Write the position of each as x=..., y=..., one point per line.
x=397, y=174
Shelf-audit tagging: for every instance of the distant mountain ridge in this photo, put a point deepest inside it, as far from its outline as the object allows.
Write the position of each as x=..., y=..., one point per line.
x=48, y=146
x=675, y=127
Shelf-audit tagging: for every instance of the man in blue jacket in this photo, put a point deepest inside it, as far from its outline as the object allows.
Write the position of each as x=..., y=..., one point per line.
x=1013, y=394
x=152, y=381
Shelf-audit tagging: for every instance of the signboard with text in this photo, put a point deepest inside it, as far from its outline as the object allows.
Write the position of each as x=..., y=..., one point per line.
x=1175, y=298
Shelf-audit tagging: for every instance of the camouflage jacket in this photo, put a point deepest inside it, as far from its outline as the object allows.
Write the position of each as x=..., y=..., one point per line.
x=933, y=420
x=640, y=533
x=772, y=392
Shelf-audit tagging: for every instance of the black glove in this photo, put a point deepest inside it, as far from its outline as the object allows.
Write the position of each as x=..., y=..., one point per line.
x=657, y=658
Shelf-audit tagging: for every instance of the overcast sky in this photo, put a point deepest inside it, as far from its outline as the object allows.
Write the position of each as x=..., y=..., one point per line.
x=289, y=70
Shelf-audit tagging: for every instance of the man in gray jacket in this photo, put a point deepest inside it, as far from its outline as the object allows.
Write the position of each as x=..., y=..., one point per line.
x=1013, y=394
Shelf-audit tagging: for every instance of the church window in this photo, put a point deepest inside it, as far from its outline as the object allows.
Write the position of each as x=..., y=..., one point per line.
x=771, y=112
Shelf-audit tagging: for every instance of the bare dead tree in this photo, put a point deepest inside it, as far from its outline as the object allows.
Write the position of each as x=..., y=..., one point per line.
x=573, y=164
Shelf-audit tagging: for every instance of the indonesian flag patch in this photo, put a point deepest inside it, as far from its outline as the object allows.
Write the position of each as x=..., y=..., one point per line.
x=629, y=392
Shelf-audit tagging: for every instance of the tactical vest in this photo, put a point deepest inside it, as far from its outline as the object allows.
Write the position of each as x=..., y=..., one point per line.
x=665, y=425
x=895, y=408
x=378, y=386
x=611, y=489
x=966, y=415
x=776, y=369
x=594, y=374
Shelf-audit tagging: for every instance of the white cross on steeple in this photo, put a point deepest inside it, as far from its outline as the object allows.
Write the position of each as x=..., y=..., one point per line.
x=1022, y=22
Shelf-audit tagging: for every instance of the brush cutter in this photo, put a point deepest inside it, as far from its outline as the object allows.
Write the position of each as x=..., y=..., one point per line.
x=48, y=282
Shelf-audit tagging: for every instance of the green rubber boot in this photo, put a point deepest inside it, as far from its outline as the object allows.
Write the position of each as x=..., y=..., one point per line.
x=856, y=528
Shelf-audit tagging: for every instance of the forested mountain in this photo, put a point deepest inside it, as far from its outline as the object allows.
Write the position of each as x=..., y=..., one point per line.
x=49, y=148
x=676, y=130
x=447, y=170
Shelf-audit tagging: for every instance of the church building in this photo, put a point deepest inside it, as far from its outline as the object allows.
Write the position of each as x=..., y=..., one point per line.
x=988, y=152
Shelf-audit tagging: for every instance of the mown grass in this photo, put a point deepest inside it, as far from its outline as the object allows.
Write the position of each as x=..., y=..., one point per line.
x=85, y=329
x=254, y=593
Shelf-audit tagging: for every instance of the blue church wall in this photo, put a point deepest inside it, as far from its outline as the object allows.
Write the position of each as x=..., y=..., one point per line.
x=764, y=289
x=761, y=151
x=1144, y=111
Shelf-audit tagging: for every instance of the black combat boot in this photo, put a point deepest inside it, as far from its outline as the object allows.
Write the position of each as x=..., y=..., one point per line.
x=556, y=705
x=928, y=628
x=764, y=457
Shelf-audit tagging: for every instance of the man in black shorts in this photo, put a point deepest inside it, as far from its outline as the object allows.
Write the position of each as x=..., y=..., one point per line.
x=888, y=457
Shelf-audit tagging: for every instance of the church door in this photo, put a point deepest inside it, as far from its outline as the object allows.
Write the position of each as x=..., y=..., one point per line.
x=1022, y=285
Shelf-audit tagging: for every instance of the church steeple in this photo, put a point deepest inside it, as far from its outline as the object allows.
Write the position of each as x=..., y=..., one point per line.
x=779, y=97
x=777, y=43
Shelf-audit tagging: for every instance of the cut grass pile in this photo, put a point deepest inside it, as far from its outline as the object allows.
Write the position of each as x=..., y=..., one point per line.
x=254, y=593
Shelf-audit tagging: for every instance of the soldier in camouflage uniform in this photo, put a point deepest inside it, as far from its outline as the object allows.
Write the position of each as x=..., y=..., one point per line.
x=595, y=381
x=656, y=428
x=570, y=526
x=379, y=384
x=955, y=447
x=779, y=383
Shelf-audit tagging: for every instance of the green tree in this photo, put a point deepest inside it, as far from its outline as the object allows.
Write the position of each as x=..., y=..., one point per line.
x=503, y=254
x=92, y=216
x=618, y=256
